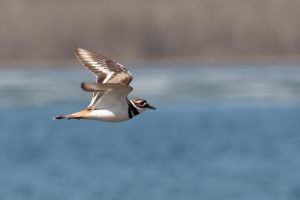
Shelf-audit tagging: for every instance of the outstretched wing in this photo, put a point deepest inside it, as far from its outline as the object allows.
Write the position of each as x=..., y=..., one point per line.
x=105, y=70
x=107, y=95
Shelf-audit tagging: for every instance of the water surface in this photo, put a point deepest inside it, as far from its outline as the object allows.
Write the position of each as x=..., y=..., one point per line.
x=218, y=133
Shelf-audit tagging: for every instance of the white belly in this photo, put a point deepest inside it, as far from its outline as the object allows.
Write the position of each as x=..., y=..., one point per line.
x=109, y=115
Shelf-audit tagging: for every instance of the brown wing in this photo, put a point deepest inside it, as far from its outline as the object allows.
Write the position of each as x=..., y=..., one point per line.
x=105, y=70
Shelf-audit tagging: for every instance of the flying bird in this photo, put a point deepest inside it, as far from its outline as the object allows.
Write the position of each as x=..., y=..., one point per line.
x=109, y=99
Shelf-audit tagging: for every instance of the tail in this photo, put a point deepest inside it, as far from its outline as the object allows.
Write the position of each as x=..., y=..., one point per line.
x=62, y=117
x=79, y=115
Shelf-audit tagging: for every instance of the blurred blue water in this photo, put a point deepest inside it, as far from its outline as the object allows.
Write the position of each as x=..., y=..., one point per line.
x=217, y=144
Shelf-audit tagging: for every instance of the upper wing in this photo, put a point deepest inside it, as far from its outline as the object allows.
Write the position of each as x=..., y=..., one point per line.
x=105, y=70
x=106, y=95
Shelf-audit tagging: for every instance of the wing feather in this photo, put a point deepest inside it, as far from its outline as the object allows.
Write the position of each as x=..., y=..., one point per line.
x=107, y=95
x=105, y=70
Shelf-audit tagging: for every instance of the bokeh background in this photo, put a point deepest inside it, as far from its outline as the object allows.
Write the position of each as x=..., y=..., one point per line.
x=224, y=76
x=134, y=29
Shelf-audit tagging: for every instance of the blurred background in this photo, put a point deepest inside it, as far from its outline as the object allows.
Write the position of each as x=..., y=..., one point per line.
x=224, y=76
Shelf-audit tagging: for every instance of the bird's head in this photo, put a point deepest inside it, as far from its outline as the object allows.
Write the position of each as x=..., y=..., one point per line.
x=141, y=105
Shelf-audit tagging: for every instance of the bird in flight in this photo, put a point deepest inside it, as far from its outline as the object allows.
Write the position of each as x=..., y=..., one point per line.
x=109, y=100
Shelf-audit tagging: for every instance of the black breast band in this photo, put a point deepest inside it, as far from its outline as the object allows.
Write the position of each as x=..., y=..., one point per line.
x=132, y=111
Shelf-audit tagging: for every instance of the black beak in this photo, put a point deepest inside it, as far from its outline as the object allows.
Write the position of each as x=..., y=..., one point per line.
x=151, y=107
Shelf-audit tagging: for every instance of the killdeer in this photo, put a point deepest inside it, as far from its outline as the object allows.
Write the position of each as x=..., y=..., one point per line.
x=109, y=100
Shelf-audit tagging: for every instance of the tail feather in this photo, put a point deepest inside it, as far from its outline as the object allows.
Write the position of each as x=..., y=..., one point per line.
x=61, y=117
x=79, y=115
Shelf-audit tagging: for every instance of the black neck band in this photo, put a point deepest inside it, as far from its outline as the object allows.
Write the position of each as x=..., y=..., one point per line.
x=132, y=111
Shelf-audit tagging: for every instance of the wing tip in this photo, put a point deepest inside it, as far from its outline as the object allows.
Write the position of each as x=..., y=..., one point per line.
x=78, y=50
x=90, y=87
x=83, y=86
